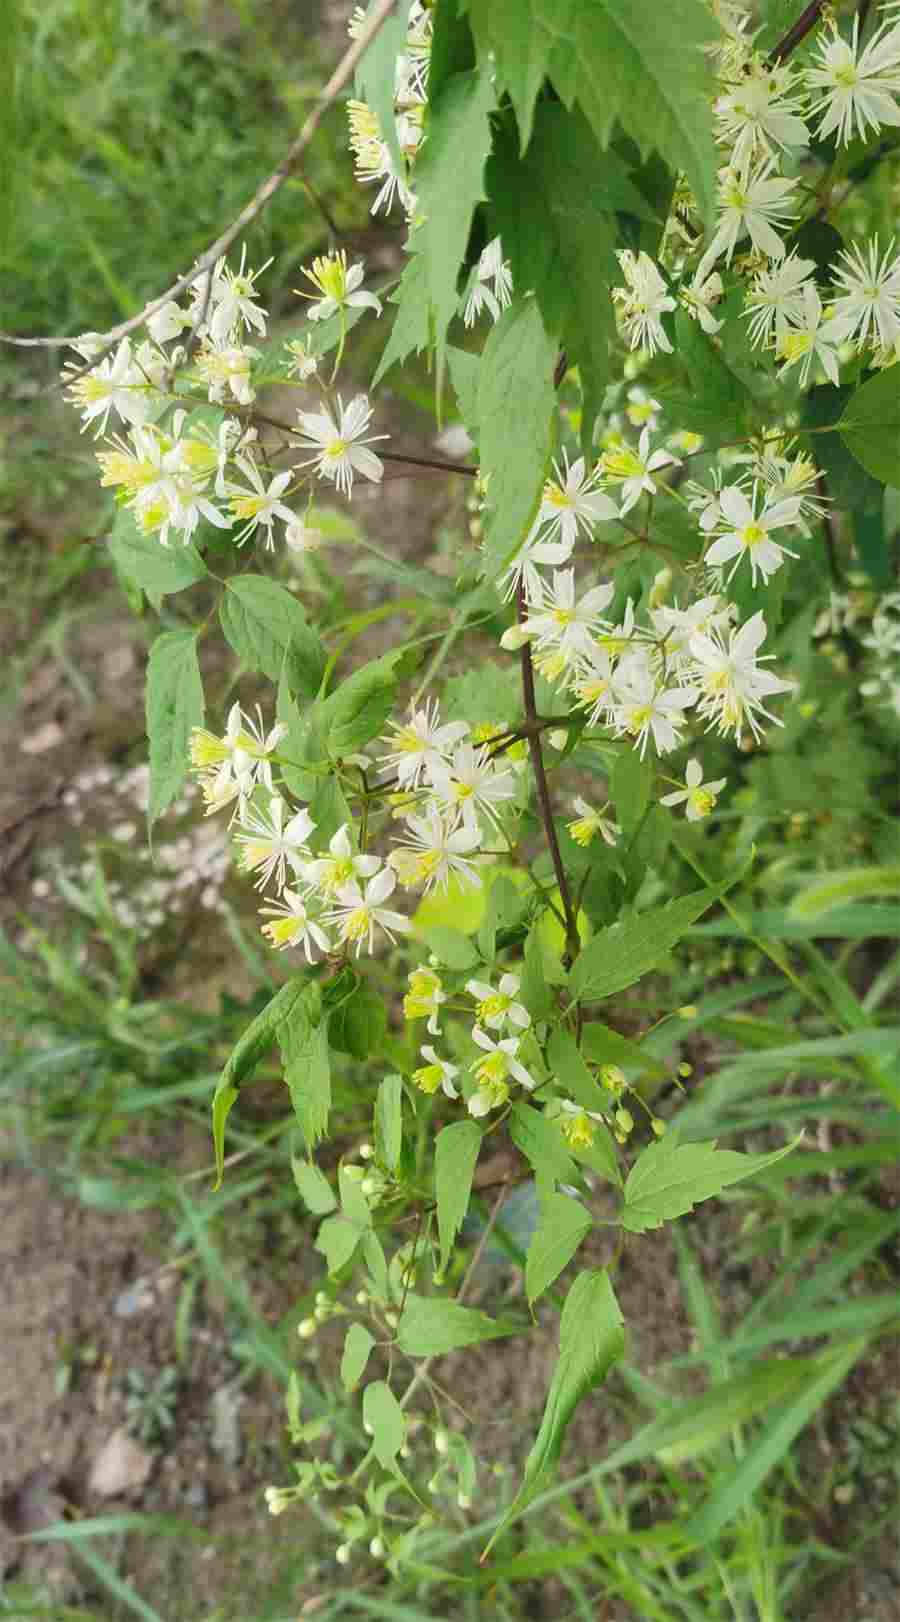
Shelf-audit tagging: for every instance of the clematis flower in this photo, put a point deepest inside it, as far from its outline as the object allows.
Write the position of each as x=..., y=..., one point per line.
x=357, y=913
x=750, y=534
x=497, y=1008
x=339, y=288
x=341, y=867
x=697, y=797
x=340, y=449
x=437, y=1073
x=268, y=844
x=292, y=926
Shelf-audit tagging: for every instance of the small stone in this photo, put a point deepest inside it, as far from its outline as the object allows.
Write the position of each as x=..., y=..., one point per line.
x=48, y=736
x=121, y=1466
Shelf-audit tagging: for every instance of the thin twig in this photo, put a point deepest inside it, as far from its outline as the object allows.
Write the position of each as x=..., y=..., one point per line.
x=260, y=199
x=797, y=32
x=573, y=941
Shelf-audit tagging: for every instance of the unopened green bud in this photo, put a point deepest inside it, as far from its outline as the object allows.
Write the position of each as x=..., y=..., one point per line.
x=624, y=1121
x=689, y=1011
x=376, y=1549
x=306, y=1328
x=657, y=1126
x=342, y=1554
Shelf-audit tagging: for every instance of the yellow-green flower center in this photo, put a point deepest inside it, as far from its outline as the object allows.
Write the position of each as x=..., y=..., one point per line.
x=556, y=496
x=492, y=1006
x=752, y=535
x=428, y=1078
x=357, y=924
x=702, y=801
x=281, y=931
x=493, y=1068
x=579, y=1130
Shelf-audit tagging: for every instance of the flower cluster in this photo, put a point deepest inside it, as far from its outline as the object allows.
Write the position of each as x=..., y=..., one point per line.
x=381, y=161
x=498, y=1030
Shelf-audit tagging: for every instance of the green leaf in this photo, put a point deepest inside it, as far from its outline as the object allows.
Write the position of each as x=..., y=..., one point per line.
x=389, y=1122
x=456, y=1153
x=412, y=324
x=570, y=1070
x=288, y=1005
x=520, y=39
x=464, y=369
x=534, y=990
x=669, y=1178
x=359, y=1025
x=517, y=365
x=358, y=709
x=631, y=785
x=260, y=620
x=174, y=706
x=304, y=662
x=564, y=1223
x=602, y=1045
x=870, y=427
x=856, y=884
x=303, y=1040
x=313, y=1187
x=337, y=1240
x=431, y=1326
x=376, y=77
x=651, y=75
x=451, y=947
x=449, y=185
x=591, y=1340
x=383, y=1419
x=357, y=1347
x=144, y=561
x=717, y=400
x=541, y=1142
x=619, y=955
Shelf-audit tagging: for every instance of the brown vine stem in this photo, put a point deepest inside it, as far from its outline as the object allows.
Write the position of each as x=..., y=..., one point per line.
x=260, y=199
x=797, y=32
x=573, y=942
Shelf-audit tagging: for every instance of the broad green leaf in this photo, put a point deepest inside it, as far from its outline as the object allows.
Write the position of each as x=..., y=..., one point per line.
x=303, y=1040
x=631, y=785
x=313, y=1187
x=337, y=1241
x=260, y=620
x=174, y=706
x=358, y=1026
x=288, y=1008
x=357, y=1346
x=619, y=955
x=591, y=1340
x=148, y=564
x=389, y=1121
x=734, y=1490
x=412, y=326
x=431, y=1326
x=449, y=185
x=304, y=662
x=564, y=1223
x=534, y=990
x=302, y=748
x=383, y=1419
x=464, y=370
x=451, y=947
x=571, y=1072
x=541, y=1142
x=519, y=36
x=517, y=366
x=328, y=808
x=358, y=709
x=354, y=1205
x=456, y=1151
x=605, y=1046
x=717, y=401
x=650, y=74
x=870, y=427
x=669, y=1178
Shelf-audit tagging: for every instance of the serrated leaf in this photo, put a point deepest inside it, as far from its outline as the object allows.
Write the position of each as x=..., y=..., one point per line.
x=452, y=948
x=260, y=620
x=591, y=1340
x=358, y=1026
x=519, y=38
x=150, y=565
x=870, y=426
x=669, y=1178
x=337, y=1240
x=605, y=1046
x=717, y=400
x=389, y=1121
x=431, y=1326
x=174, y=706
x=412, y=328
x=464, y=377
x=618, y=956
x=449, y=185
x=358, y=709
x=517, y=365
x=541, y=1142
x=570, y=1070
x=303, y=1040
x=259, y=1036
x=357, y=1346
x=534, y=990
x=305, y=660
x=456, y=1153
x=383, y=1418
x=564, y=1223
x=313, y=1187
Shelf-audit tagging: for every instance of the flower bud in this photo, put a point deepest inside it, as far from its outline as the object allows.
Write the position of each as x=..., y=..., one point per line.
x=342, y=1554
x=624, y=1121
x=441, y=1441
x=689, y=1011
x=365, y=1151
x=513, y=639
x=306, y=1328
x=376, y=1549
x=558, y=738
x=657, y=1126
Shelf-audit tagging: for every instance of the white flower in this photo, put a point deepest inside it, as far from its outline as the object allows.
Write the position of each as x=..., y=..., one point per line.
x=732, y=687
x=436, y=852
x=868, y=305
x=572, y=504
x=269, y=845
x=759, y=113
x=436, y=1073
x=470, y=783
x=227, y=370
x=809, y=337
x=496, y=1007
x=358, y=914
x=231, y=767
x=677, y=625
x=292, y=926
x=858, y=91
x=373, y=159
x=750, y=532
x=750, y=205
x=494, y=1071
x=697, y=797
x=421, y=744
x=341, y=450
x=632, y=468
x=562, y=625
x=491, y=284
x=699, y=297
x=642, y=410
x=524, y=568
x=302, y=360
x=578, y=1126
x=643, y=301
x=590, y=822
x=594, y=685
x=646, y=709
x=338, y=286
x=344, y=865
x=776, y=297
x=115, y=385
x=168, y=323
x=230, y=300
x=261, y=506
